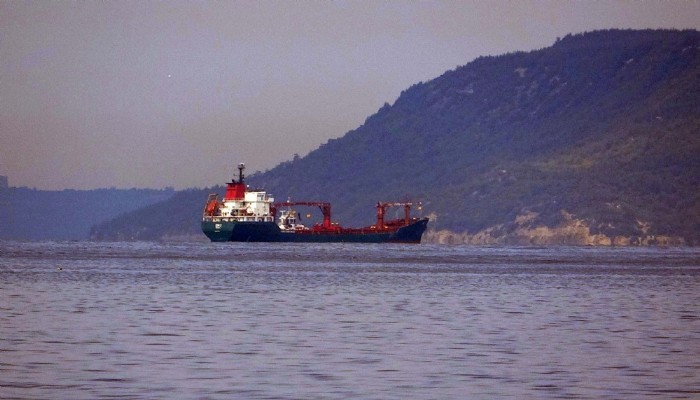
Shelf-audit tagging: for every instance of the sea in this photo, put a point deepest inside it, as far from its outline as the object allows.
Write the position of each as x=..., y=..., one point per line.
x=152, y=320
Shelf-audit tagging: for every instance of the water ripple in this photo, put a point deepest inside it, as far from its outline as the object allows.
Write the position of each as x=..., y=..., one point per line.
x=152, y=320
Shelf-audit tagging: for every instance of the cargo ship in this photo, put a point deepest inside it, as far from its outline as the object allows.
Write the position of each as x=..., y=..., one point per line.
x=251, y=215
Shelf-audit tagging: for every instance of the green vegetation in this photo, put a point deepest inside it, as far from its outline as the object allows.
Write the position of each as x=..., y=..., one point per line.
x=604, y=126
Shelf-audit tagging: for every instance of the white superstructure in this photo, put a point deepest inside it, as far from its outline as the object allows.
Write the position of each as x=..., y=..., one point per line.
x=240, y=204
x=254, y=207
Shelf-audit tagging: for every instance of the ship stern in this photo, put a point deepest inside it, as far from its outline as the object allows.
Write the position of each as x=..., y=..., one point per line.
x=217, y=231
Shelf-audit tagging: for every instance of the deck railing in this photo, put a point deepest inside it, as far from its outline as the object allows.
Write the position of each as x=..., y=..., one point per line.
x=247, y=218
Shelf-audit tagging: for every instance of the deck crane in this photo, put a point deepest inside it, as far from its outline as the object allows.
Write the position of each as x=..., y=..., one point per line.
x=382, y=207
x=325, y=209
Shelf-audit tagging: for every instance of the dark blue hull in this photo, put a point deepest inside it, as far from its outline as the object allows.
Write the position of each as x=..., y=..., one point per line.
x=230, y=231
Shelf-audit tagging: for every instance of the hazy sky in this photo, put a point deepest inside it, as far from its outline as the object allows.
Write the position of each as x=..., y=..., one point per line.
x=175, y=93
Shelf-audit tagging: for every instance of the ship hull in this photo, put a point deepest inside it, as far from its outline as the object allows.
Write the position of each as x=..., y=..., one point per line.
x=231, y=231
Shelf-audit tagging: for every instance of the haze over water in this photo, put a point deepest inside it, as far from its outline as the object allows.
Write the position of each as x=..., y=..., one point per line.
x=219, y=82
x=156, y=320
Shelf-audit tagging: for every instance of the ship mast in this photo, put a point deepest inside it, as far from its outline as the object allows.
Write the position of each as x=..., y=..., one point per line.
x=241, y=167
x=236, y=190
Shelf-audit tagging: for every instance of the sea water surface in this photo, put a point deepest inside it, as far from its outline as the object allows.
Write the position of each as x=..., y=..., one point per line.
x=81, y=320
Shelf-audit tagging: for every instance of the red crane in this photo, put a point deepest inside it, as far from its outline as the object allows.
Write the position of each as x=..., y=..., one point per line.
x=382, y=206
x=325, y=209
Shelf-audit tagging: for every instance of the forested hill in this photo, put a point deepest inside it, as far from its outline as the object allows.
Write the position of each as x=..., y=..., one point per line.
x=600, y=131
x=30, y=214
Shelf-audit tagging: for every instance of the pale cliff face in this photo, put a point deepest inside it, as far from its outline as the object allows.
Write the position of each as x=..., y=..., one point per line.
x=571, y=232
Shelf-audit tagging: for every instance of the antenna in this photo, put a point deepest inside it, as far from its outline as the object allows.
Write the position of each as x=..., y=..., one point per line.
x=241, y=167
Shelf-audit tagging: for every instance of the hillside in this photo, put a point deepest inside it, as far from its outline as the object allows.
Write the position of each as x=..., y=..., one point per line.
x=178, y=217
x=30, y=214
x=600, y=131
